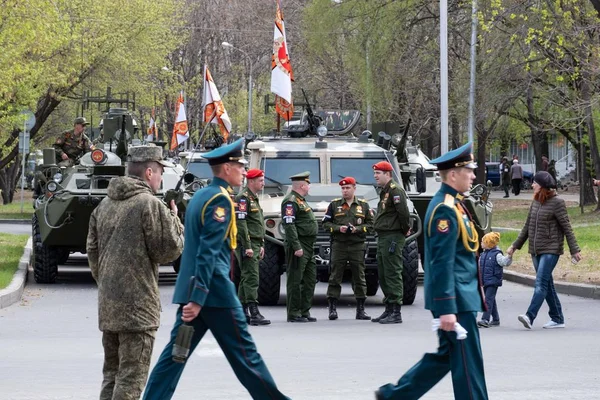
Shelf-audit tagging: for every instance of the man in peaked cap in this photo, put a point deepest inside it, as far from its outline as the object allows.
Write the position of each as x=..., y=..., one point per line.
x=205, y=293
x=348, y=220
x=72, y=144
x=130, y=234
x=452, y=291
x=300, y=228
x=392, y=224
x=251, y=240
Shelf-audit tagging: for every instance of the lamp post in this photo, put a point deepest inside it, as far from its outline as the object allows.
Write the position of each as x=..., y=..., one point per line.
x=229, y=45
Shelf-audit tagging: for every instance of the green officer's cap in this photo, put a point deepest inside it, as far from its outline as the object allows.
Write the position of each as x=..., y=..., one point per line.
x=80, y=121
x=302, y=176
x=150, y=152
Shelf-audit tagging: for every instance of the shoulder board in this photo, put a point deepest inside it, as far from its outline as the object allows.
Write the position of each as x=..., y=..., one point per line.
x=449, y=200
x=392, y=185
x=362, y=200
x=338, y=199
x=292, y=198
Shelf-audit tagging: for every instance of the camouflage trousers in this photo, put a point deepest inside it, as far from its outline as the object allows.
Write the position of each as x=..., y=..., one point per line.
x=126, y=364
x=69, y=162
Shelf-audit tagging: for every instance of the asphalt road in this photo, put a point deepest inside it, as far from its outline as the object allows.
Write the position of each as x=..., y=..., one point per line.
x=51, y=348
x=16, y=229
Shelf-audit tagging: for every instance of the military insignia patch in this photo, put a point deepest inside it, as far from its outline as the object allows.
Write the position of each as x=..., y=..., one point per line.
x=359, y=221
x=219, y=214
x=289, y=214
x=242, y=205
x=442, y=226
x=396, y=199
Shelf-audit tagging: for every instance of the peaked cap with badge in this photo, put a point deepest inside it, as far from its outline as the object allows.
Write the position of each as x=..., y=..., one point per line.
x=461, y=157
x=149, y=152
x=302, y=176
x=233, y=152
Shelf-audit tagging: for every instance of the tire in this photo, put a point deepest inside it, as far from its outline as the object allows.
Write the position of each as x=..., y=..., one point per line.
x=269, y=284
x=410, y=272
x=372, y=284
x=45, y=258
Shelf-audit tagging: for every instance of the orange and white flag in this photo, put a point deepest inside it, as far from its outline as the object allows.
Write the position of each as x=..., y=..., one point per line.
x=214, y=110
x=180, y=129
x=152, y=129
x=282, y=75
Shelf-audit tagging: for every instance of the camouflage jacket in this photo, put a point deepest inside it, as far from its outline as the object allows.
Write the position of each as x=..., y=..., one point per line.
x=298, y=220
x=72, y=146
x=392, y=210
x=250, y=221
x=131, y=233
x=358, y=214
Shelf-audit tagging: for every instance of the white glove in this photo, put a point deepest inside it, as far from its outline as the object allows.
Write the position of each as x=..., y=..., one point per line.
x=461, y=333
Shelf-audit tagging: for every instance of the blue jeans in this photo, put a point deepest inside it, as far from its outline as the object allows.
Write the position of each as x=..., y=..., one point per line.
x=544, y=288
x=490, y=302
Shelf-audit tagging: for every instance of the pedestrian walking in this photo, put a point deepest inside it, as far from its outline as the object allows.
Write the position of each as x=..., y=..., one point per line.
x=516, y=175
x=545, y=163
x=211, y=302
x=505, y=176
x=300, y=228
x=552, y=170
x=491, y=264
x=392, y=224
x=251, y=237
x=546, y=227
x=131, y=233
x=348, y=220
x=452, y=291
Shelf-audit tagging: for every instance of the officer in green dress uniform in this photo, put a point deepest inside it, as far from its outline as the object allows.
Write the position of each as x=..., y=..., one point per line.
x=210, y=302
x=251, y=237
x=348, y=219
x=392, y=224
x=300, y=228
x=452, y=289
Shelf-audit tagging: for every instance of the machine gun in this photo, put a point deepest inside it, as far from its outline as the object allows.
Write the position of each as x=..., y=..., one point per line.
x=118, y=128
x=308, y=127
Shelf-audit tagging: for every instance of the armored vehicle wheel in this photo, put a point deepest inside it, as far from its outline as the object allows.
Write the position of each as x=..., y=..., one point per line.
x=372, y=284
x=45, y=258
x=410, y=272
x=177, y=264
x=269, y=285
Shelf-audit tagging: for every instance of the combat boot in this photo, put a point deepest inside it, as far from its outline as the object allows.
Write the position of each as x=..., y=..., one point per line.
x=256, y=317
x=245, y=307
x=332, y=308
x=394, y=318
x=360, y=310
x=386, y=313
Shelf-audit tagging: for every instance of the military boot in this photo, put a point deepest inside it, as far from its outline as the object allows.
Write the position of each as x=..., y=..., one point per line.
x=332, y=311
x=256, y=317
x=386, y=313
x=394, y=318
x=245, y=307
x=360, y=310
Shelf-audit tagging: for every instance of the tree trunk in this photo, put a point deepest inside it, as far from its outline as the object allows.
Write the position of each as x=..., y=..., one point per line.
x=589, y=124
x=539, y=138
x=455, y=141
x=9, y=177
x=482, y=135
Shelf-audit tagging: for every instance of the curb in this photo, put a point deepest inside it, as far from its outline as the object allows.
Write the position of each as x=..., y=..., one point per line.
x=12, y=293
x=573, y=289
x=15, y=221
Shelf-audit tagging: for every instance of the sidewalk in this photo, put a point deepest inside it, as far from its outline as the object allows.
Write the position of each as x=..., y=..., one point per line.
x=12, y=293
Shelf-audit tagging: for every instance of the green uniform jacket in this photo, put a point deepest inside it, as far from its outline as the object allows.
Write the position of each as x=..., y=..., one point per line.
x=451, y=275
x=73, y=147
x=298, y=220
x=250, y=220
x=358, y=215
x=392, y=210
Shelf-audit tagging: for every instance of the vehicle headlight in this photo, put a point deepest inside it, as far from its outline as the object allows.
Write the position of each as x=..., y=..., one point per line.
x=57, y=177
x=196, y=186
x=479, y=190
x=322, y=131
x=52, y=186
x=281, y=229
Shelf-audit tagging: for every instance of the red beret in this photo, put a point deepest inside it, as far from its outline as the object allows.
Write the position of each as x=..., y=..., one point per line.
x=383, y=166
x=254, y=173
x=348, y=181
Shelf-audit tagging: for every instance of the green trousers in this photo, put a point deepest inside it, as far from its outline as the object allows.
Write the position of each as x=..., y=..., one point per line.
x=389, y=266
x=301, y=278
x=248, y=290
x=354, y=255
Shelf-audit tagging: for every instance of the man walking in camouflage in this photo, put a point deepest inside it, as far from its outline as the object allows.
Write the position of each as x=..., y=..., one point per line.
x=300, y=236
x=251, y=237
x=130, y=234
x=392, y=226
x=348, y=220
x=72, y=144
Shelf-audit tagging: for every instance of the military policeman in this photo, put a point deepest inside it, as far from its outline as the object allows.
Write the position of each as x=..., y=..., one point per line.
x=251, y=237
x=130, y=234
x=348, y=219
x=392, y=224
x=452, y=290
x=72, y=144
x=300, y=228
x=211, y=303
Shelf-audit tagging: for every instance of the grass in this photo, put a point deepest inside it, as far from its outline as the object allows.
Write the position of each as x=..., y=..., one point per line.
x=13, y=210
x=11, y=250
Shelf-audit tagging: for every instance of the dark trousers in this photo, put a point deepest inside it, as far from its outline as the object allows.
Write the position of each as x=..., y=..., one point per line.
x=516, y=183
x=505, y=186
x=462, y=357
x=228, y=326
x=490, y=302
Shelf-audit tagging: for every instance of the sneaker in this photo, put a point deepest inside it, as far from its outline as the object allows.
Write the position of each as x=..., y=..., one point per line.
x=483, y=324
x=494, y=323
x=524, y=319
x=553, y=325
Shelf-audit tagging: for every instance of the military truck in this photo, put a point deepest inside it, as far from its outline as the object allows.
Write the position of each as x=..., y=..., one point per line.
x=66, y=196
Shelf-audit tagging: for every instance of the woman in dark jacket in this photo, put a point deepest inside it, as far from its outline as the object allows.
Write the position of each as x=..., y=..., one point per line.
x=546, y=227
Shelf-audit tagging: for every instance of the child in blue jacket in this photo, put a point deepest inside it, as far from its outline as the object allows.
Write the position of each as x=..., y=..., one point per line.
x=491, y=264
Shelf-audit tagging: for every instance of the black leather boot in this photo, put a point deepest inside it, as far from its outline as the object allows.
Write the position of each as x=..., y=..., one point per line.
x=394, y=318
x=245, y=307
x=360, y=310
x=256, y=317
x=332, y=310
x=386, y=313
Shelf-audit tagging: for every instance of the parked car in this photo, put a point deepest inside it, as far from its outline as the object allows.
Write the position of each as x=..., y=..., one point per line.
x=492, y=170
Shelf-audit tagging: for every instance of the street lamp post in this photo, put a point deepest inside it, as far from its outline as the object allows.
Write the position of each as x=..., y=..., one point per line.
x=226, y=44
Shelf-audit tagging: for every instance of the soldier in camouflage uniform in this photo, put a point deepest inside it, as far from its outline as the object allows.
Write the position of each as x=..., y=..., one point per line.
x=251, y=237
x=300, y=236
x=72, y=144
x=392, y=225
x=130, y=234
x=348, y=220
